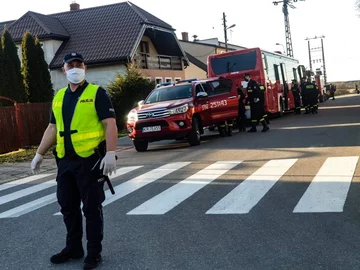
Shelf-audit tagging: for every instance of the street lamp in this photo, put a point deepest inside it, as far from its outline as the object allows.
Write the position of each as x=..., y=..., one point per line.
x=279, y=44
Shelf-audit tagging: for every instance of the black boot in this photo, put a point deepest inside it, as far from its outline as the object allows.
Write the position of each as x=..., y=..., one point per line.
x=229, y=131
x=267, y=120
x=91, y=262
x=265, y=127
x=66, y=254
x=253, y=127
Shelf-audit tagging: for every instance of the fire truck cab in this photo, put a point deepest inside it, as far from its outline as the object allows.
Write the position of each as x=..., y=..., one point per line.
x=182, y=110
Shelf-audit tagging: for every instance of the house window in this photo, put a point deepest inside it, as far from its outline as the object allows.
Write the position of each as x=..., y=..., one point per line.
x=158, y=80
x=177, y=79
x=168, y=79
x=144, y=47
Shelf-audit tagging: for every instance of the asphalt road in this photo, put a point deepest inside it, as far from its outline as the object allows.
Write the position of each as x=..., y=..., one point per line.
x=286, y=199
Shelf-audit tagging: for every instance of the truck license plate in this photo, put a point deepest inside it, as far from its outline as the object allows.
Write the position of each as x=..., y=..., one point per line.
x=151, y=129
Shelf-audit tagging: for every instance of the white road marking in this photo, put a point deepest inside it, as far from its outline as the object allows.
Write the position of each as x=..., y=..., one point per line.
x=328, y=190
x=119, y=172
x=138, y=182
x=247, y=194
x=27, y=191
x=178, y=193
x=46, y=200
x=23, y=181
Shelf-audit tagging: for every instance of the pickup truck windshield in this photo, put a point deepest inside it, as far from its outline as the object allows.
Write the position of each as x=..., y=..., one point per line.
x=170, y=93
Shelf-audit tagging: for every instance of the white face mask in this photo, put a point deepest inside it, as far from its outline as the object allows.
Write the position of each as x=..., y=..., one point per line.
x=75, y=75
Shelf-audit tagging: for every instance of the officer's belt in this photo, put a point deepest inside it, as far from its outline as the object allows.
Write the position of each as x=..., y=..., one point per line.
x=63, y=133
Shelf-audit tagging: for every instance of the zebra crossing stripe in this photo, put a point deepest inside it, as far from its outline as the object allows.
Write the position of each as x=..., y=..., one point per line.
x=178, y=193
x=46, y=200
x=30, y=206
x=27, y=191
x=136, y=183
x=23, y=181
x=247, y=194
x=119, y=172
x=329, y=188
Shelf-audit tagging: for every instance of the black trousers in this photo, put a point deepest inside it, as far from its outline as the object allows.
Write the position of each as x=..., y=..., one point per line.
x=77, y=181
x=297, y=103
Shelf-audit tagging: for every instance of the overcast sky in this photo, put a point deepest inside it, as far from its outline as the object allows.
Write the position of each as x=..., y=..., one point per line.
x=258, y=24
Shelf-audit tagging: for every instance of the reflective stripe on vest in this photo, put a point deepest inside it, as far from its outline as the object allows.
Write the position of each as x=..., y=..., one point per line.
x=90, y=130
x=310, y=86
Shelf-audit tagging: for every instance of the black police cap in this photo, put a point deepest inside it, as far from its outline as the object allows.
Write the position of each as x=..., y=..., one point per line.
x=73, y=56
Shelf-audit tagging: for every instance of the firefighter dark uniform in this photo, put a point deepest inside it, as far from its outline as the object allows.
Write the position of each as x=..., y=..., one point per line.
x=78, y=117
x=262, y=89
x=332, y=91
x=311, y=92
x=256, y=107
x=305, y=93
x=241, y=119
x=295, y=89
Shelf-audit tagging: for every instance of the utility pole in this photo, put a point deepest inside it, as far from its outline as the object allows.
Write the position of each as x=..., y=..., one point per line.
x=323, y=54
x=310, y=62
x=286, y=5
x=225, y=31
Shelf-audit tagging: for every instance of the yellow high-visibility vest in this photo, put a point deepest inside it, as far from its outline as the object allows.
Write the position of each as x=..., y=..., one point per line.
x=89, y=130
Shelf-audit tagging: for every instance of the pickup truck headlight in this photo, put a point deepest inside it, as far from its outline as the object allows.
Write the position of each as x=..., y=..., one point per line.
x=179, y=110
x=132, y=116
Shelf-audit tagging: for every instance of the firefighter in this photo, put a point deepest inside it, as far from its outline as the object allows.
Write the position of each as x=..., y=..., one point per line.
x=357, y=89
x=262, y=101
x=256, y=108
x=297, y=97
x=311, y=95
x=241, y=119
x=305, y=96
x=315, y=98
x=332, y=91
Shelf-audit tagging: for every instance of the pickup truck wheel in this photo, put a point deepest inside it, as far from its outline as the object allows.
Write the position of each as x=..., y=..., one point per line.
x=194, y=136
x=141, y=146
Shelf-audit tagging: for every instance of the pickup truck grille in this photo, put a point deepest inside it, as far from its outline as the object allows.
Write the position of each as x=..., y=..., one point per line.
x=153, y=114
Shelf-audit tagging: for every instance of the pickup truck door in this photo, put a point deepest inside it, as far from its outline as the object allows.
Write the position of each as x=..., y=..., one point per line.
x=201, y=102
x=223, y=100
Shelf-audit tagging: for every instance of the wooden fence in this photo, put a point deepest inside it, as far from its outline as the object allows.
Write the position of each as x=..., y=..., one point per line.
x=26, y=129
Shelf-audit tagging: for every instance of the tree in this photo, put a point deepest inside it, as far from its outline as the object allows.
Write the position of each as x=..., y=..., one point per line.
x=1, y=74
x=125, y=91
x=46, y=88
x=13, y=82
x=29, y=67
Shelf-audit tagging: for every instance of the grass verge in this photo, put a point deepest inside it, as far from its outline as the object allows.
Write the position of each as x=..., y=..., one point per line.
x=21, y=155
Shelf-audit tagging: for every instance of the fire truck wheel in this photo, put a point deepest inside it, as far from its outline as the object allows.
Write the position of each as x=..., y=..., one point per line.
x=141, y=146
x=194, y=136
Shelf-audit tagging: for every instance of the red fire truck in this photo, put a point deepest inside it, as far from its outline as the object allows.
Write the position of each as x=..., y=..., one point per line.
x=271, y=69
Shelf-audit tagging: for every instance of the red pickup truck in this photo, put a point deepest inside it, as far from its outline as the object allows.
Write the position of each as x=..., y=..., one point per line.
x=182, y=110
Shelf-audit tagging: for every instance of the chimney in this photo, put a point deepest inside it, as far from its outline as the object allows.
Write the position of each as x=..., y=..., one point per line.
x=74, y=6
x=185, y=36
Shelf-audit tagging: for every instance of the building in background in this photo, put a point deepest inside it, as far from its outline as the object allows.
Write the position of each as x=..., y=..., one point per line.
x=200, y=50
x=109, y=37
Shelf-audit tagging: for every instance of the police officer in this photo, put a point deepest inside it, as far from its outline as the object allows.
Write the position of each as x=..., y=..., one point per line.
x=256, y=107
x=82, y=118
x=295, y=89
x=241, y=120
